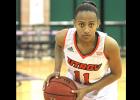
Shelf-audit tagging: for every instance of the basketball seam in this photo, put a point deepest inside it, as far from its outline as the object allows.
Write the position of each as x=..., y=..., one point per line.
x=64, y=84
x=60, y=94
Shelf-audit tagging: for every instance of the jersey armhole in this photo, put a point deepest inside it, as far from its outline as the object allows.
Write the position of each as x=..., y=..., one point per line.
x=65, y=39
x=104, y=49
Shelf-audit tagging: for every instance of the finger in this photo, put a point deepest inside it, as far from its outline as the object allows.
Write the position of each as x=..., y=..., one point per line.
x=57, y=75
x=80, y=97
x=74, y=91
x=44, y=86
x=48, y=80
x=47, y=83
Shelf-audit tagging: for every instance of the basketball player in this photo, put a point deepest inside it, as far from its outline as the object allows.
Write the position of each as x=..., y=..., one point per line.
x=92, y=57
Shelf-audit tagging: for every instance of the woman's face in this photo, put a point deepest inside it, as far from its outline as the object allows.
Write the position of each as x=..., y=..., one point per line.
x=86, y=23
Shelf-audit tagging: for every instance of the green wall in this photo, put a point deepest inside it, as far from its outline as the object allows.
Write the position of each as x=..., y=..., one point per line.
x=64, y=9
x=114, y=10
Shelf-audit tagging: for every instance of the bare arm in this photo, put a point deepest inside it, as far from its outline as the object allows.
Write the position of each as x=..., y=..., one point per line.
x=58, y=58
x=112, y=52
x=59, y=45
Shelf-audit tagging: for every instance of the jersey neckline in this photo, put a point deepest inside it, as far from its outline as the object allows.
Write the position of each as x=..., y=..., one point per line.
x=91, y=53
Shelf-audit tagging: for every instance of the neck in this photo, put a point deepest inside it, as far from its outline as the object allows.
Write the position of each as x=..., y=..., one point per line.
x=92, y=42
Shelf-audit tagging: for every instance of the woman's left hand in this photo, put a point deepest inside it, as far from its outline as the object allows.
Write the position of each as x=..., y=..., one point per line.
x=80, y=93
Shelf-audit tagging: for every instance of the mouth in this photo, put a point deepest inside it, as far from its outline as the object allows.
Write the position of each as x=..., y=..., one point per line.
x=86, y=35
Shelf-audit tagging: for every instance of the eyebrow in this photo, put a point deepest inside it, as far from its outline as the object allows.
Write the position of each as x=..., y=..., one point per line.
x=84, y=21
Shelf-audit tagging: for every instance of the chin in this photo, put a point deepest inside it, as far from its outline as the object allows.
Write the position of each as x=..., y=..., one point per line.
x=86, y=39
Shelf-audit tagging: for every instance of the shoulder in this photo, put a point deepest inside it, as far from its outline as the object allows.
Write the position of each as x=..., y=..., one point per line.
x=60, y=37
x=111, y=46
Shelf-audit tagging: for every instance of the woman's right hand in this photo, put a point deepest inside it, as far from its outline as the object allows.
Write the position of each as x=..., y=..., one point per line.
x=54, y=74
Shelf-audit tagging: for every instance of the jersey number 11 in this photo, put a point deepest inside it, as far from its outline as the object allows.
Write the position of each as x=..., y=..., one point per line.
x=85, y=75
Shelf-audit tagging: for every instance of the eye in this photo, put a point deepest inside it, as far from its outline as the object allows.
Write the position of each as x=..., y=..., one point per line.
x=81, y=25
x=91, y=24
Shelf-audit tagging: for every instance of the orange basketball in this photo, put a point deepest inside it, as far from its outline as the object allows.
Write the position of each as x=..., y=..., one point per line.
x=60, y=89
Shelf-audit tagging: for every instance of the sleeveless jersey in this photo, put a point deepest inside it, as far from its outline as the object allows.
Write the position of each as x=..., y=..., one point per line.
x=89, y=68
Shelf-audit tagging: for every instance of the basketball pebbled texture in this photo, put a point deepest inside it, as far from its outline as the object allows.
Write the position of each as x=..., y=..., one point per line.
x=60, y=89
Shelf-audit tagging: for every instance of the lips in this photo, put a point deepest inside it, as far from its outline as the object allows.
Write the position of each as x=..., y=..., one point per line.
x=86, y=35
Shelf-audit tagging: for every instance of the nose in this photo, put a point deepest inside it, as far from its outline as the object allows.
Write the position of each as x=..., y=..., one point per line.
x=86, y=30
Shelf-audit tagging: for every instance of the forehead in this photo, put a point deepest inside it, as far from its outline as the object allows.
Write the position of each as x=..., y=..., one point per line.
x=86, y=15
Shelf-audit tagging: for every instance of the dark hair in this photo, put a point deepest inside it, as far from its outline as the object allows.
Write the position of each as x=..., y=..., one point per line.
x=87, y=6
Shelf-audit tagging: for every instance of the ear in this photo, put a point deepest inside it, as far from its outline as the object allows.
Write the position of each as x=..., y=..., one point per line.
x=74, y=22
x=98, y=23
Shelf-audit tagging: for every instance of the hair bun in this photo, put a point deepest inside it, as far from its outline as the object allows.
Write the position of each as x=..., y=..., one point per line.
x=89, y=2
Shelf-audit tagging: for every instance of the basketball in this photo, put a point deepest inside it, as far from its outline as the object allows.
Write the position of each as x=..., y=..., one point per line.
x=60, y=89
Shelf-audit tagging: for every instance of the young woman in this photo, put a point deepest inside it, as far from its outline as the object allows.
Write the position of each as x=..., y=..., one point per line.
x=93, y=58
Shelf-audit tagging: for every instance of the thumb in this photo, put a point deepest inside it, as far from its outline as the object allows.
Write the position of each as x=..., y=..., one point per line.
x=74, y=91
x=57, y=75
